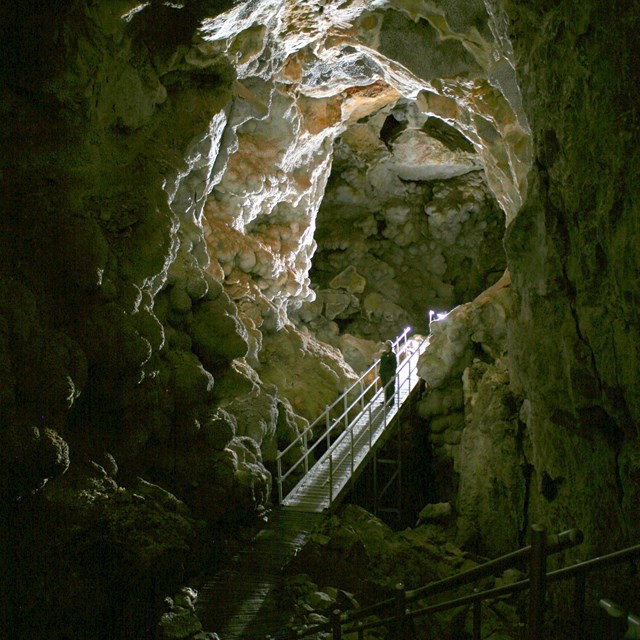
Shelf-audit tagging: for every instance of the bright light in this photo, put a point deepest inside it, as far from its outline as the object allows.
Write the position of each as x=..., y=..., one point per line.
x=439, y=315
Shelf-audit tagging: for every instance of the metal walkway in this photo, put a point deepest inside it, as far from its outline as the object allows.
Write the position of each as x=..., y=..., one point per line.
x=355, y=425
x=242, y=601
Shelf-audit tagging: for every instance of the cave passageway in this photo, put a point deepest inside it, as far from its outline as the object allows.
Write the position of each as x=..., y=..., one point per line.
x=213, y=213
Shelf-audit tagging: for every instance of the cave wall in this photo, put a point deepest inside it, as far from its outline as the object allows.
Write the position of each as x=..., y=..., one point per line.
x=390, y=250
x=573, y=257
x=159, y=201
x=532, y=387
x=124, y=382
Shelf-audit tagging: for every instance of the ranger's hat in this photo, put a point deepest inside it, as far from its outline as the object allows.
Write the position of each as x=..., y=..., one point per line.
x=389, y=342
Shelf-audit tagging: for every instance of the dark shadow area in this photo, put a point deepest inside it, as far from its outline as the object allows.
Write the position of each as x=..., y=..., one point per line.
x=417, y=483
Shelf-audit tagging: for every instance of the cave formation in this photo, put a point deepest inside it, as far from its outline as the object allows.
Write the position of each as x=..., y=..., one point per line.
x=213, y=213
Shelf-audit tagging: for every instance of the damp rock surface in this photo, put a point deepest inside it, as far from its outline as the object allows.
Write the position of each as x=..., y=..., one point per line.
x=211, y=215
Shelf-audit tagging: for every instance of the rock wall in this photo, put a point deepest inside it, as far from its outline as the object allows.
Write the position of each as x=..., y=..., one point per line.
x=573, y=256
x=481, y=447
x=125, y=364
x=391, y=249
x=161, y=204
x=533, y=387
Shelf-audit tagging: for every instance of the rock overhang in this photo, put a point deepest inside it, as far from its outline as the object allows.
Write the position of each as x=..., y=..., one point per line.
x=309, y=74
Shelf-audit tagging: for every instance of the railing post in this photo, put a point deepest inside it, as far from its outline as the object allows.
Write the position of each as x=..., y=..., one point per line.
x=328, y=423
x=351, y=431
x=336, y=625
x=306, y=451
x=361, y=394
x=578, y=603
x=537, y=578
x=370, y=427
x=401, y=611
x=279, y=459
x=346, y=414
x=477, y=620
x=618, y=619
x=330, y=479
x=375, y=483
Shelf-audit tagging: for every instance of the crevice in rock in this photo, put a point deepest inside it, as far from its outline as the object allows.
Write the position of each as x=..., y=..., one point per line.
x=549, y=486
x=391, y=129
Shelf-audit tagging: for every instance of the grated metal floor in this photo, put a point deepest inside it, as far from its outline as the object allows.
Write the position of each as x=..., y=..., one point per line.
x=353, y=447
x=241, y=602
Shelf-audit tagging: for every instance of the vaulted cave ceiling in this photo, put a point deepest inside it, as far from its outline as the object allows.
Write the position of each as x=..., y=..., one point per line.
x=392, y=122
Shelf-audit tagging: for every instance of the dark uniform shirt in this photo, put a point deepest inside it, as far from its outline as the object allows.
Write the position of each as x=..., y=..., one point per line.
x=388, y=364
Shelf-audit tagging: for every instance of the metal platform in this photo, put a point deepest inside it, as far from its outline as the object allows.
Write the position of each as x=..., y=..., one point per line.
x=242, y=600
x=325, y=483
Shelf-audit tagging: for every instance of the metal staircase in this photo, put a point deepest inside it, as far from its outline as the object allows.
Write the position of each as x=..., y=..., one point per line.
x=353, y=428
x=242, y=600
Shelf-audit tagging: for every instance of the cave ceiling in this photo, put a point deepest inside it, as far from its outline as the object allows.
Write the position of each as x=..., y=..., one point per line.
x=343, y=113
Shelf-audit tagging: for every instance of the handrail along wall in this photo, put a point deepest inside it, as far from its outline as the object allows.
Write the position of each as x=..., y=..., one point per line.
x=352, y=621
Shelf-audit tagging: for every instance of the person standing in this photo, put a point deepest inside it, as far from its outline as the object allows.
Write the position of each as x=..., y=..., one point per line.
x=388, y=365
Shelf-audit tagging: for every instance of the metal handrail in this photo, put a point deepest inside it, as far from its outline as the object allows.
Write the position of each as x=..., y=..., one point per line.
x=402, y=377
x=625, y=621
x=400, y=345
x=328, y=455
x=328, y=408
x=557, y=543
x=379, y=393
x=536, y=553
x=352, y=620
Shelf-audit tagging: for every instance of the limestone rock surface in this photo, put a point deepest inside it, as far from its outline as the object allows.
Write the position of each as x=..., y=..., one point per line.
x=411, y=244
x=474, y=421
x=197, y=196
x=573, y=334
x=115, y=540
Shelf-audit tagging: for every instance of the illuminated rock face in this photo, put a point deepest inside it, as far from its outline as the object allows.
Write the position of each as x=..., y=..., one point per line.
x=194, y=204
x=392, y=248
x=308, y=75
